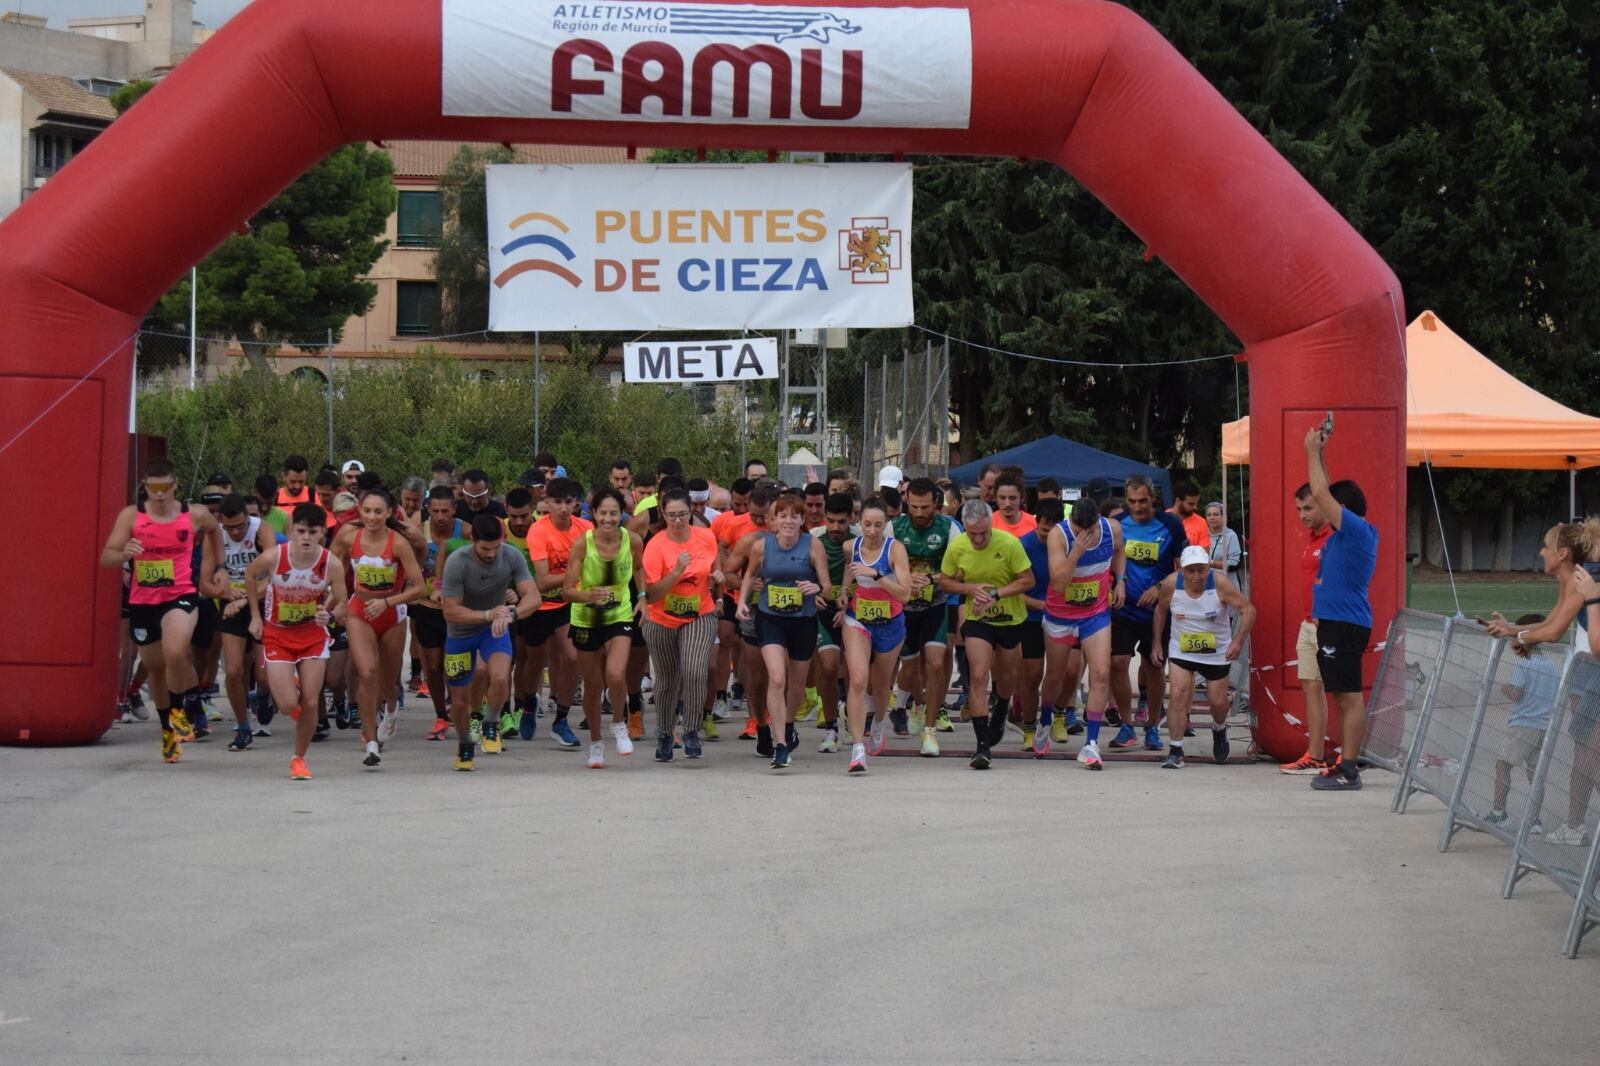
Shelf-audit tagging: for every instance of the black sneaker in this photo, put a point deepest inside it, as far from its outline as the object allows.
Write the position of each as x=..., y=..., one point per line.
x=1219, y=746
x=791, y=737
x=1189, y=732
x=691, y=746
x=764, y=741
x=980, y=758
x=242, y=738
x=1174, y=760
x=1337, y=779
x=341, y=714
x=780, y=757
x=664, y=748
x=897, y=719
x=321, y=733
x=1113, y=718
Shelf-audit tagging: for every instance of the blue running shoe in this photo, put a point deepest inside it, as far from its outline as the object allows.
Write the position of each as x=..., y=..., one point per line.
x=563, y=734
x=691, y=746
x=1074, y=727
x=1152, y=739
x=528, y=725
x=1126, y=738
x=780, y=757
x=664, y=748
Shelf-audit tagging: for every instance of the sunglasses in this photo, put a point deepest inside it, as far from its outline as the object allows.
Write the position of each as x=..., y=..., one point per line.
x=159, y=486
x=475, y=495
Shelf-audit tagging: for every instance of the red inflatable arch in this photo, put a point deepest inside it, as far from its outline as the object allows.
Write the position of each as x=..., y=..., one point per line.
x=1086, y=85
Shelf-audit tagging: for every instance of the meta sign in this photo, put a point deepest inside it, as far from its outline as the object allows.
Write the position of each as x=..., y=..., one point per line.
x=692, y=362
x=693, y=246
x=743, y=63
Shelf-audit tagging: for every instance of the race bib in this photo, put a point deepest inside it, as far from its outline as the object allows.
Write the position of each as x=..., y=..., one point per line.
x=997, y=612
x=149, y=572
x=239, y=584
x=783, y=598
x=1141, y=551
x=293, y=614
x=375, y=577
x=1194, y=643
x=458, y=665
x=683, y=606
x=1083, y=593
x=872, y=611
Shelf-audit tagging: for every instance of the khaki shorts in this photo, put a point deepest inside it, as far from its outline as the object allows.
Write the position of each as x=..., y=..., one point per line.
x=1305, y=648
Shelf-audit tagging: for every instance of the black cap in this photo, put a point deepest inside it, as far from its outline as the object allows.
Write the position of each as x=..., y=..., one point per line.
x=1099, y=489
x=219, y=478
x=531, y=477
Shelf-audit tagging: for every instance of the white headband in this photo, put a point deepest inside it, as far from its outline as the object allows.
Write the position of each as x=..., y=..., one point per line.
x=700, y=497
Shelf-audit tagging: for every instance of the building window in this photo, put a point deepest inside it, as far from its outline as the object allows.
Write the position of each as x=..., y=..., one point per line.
x=50, y=154
x=419, y=221
x=416, y=308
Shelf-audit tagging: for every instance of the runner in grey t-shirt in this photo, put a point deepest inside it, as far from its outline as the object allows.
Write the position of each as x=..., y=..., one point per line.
x=482, y=587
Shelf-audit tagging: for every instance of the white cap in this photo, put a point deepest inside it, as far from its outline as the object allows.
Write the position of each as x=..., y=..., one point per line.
x=890, y=477
x=352, y=464
x=1194, y=555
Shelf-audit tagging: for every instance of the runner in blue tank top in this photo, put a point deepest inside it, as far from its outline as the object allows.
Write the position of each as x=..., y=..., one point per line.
x=1151, y=541
x=793, y=569
x=878, y=581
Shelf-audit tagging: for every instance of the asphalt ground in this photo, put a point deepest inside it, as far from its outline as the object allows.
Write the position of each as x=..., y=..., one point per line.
x=536, y=911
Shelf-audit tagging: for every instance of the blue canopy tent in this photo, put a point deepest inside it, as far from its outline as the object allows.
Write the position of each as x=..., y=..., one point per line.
x=1072, y=464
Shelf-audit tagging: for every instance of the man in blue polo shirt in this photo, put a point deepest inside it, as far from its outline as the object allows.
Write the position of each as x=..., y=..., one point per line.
x=1341, y=609
x=1153, y=540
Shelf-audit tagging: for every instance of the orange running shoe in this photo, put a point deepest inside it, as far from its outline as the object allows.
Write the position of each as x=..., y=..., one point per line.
x=635, y=725
x=1305, y=766
x=297, y=769
x=180, y=725
x=440, y=730
x=749, y=730
x=422, y=690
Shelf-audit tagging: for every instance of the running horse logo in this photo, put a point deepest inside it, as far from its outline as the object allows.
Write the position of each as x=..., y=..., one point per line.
x=780, y=23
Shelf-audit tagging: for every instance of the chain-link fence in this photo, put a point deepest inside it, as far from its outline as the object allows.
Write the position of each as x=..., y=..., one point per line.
x=1509, y=743
x=881, y=399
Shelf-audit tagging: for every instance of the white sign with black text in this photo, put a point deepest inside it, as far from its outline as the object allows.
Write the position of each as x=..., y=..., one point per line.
x=696, y=362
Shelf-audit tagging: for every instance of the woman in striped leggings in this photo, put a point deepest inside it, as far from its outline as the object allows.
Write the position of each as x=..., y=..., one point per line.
x=682, y=567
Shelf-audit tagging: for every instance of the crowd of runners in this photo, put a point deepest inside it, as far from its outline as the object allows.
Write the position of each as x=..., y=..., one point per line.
x=305, y=595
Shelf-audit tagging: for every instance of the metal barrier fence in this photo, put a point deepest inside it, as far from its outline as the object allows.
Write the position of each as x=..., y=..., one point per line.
x=468, y=400
x=1509, y=744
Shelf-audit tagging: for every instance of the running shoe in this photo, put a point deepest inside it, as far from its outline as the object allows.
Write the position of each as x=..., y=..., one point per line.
x=491, y=737
x=372, y=758
x=878, y=735
x=763, y=741
x=708, y=728
x=1126, y=738
x=1058, y=727
x=899, y=719
x=1174, y=760
x=388, y=727
x=691, y=745
x=1074, y=727
x=345, y=716
x=1219, y=746
x=202, y=730
x=298, y=770
x=509, y=724
x=213, y=714
x=597, y=755
x=171, y=750
x=980, y=758
x=464, y=760
x=439, y=729
x=1041, y=743
x=749, y=730
x=635, y=725
x=811, y=705
x=1028, y=735
x=180, y=725
x=257, y=729
x=124, y=712
x=1337, y=779
x=830, y=742
x=719, y=709
x=1113, y=717
x=930, y=742
x=423, y=691
x=791, y=737
x=1152, y=739
x=780, y=757
x=1090, y=756
x=321, y=733
x=664, y=748
x=137, y=706
x=619, y=733
x=562, y=731
x=917, y=719
x=943, y=724
x=1497, y=816
x=1305, y=766
x=475, y=729
x=1571, y=836
x=241, y=739
x=858, y=759
x=414, y=683
x=527, y=724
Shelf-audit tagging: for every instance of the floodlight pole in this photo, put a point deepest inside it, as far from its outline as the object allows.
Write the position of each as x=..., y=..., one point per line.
x=194, y=275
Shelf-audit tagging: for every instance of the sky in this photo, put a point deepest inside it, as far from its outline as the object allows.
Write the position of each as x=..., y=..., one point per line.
x=211, y=12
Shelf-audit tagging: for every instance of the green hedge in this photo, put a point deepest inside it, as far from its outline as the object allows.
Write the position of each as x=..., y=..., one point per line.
x=397, y=420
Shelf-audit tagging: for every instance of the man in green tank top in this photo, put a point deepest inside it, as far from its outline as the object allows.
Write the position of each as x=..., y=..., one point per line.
x=924, y=657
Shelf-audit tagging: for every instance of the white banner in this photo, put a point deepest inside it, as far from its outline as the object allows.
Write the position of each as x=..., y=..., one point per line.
x=670, y=362
x=690, y=246
x=703, y=62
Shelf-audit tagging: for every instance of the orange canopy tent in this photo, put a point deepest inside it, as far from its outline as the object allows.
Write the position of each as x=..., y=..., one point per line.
x=1464, y=411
